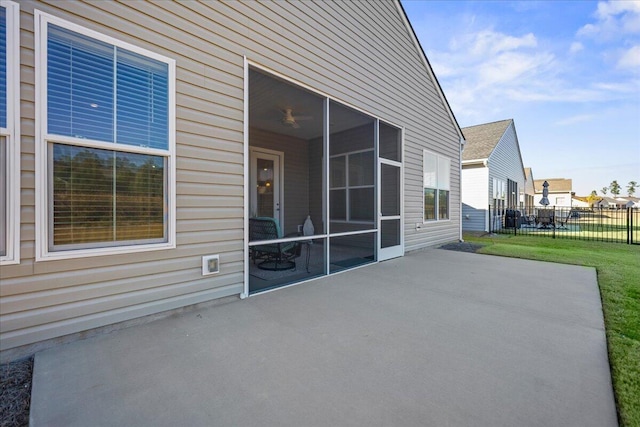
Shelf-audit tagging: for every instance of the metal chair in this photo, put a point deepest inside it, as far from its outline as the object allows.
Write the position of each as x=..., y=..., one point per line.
x=271, y=256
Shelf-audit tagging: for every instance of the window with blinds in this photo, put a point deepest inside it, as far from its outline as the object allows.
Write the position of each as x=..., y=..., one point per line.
x=3, y=124
x=107, y=141
x=436, y=170
x=3, y=67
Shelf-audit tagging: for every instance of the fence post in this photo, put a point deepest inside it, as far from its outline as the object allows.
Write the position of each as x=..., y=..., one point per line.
x=629, y=227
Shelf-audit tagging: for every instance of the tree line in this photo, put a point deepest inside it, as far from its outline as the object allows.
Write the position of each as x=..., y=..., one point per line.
x=614, y=188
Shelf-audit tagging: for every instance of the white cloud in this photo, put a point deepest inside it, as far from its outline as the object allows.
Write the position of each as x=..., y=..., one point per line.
x=485, y=72
x=575, y=119
x=630, y=59
x=576, y=47
x=489, y=42
x=613, y=19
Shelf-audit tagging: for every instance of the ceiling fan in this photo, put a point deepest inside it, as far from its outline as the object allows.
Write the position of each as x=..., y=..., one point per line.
x=288, y=119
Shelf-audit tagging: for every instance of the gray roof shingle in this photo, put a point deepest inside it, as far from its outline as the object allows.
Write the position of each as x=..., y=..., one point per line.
x=482, y=139
x=556, y=185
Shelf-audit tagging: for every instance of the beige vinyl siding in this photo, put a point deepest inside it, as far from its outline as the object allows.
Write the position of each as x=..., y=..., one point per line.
x=359, y=53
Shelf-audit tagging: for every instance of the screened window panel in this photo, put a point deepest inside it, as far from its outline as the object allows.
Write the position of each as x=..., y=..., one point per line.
x=338, y=176
x=3, y=67
x=102, y=196
x=390, y=143
x=390, y=194
x=142, y=101
x=361, y=204
x=389, y=233
x=361, y=169
x=338, y=204
x=79, y=86
x=429, y=204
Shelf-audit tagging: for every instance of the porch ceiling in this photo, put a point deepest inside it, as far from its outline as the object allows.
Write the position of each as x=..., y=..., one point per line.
x=269, y=96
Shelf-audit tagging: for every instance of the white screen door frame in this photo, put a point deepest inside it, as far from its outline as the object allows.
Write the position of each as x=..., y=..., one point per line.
x=393, y=220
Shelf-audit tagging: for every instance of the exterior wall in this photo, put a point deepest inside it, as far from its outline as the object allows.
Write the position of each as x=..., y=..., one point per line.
x=356, y=52
x=529, y=192
x=505, y=161
x=475, y=198
x=568, y=200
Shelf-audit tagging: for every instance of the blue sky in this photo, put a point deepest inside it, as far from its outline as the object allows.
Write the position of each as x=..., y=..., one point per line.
x=567, y=72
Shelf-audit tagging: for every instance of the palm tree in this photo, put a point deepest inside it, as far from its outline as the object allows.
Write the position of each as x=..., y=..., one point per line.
x=631, y=188
x=615, y=188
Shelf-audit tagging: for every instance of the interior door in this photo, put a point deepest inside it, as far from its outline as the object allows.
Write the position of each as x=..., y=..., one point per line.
x=390, y=242
x=266, y=184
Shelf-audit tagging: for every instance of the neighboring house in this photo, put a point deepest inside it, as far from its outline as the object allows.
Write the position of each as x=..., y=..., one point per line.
x=614, y=203
x=560, y=191
x=621, y=202
x=625, y=202
x=492, y=174
x=151, y=132
x=527, y=200
x=602, y=203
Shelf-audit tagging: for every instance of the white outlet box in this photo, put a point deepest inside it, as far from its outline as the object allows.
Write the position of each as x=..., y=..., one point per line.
x=210, y=264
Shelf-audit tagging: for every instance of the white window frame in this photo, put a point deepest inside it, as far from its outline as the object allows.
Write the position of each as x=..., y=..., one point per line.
x=43, y=253
x=12, y=136
x=499, y=200
x=348, y=187
x=438, y=187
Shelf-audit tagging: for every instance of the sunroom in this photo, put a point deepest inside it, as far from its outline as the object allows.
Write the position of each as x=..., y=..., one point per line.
x=324, y=185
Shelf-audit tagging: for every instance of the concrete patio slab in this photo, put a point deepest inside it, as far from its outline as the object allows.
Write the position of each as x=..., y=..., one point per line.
x=434, y=338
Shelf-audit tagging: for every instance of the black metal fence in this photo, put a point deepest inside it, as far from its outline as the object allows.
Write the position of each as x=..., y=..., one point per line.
x=603, y=225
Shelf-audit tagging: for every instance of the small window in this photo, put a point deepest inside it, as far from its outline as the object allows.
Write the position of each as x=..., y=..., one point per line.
x=9, y=133
x=437, y=172
x=108, y=143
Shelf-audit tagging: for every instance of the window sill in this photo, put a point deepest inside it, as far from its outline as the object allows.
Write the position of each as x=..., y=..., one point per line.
x=85, y=253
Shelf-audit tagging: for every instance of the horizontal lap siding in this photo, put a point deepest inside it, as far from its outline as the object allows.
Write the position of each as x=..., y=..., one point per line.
x=475, y=198
x=505, y=161
x=356, y=52
x=49, y=299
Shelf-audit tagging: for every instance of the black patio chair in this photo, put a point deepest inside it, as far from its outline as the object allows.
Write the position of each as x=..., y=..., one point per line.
x=271, y=256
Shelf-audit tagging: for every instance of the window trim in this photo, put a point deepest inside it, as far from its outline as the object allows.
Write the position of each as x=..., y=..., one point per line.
x=437, y=188
x=12, y=135
x=43, y=140
x=347, y=187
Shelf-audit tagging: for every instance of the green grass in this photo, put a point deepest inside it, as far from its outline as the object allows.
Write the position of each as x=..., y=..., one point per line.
x=618, y=269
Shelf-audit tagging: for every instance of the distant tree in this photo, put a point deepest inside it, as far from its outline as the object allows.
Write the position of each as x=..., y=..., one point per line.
x=631, y=188
x=614, y=187
x=604, y=190
x=594, y=193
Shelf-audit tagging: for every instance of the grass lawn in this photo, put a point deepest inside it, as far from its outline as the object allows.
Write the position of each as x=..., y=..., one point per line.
x=618, y=267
